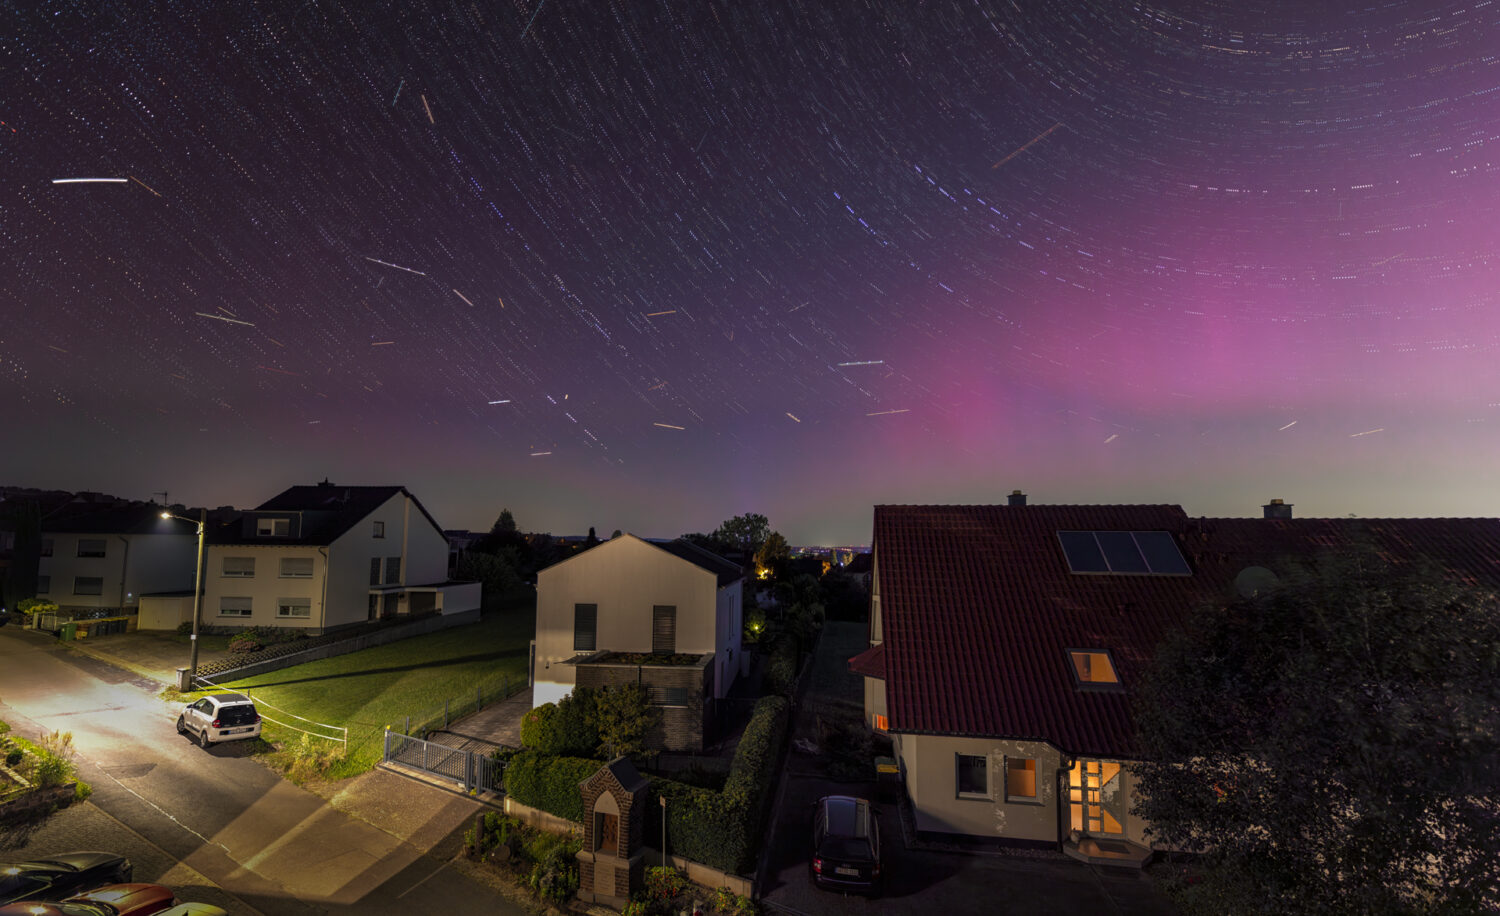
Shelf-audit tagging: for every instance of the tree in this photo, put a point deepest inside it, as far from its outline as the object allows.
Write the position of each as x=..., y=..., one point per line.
x=1331, y=745
x=772, y=555
x=505, y=524
x=592, y=540
x=623, y=715
x=497, y=573
x=744, y=533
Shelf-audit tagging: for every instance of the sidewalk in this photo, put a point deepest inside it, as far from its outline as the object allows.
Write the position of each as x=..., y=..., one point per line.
x=149, y=653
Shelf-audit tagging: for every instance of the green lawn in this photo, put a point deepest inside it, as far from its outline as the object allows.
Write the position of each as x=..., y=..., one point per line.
x=366, y=691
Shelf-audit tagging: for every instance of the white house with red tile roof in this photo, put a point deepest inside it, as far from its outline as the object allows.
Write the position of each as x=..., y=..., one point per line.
x=1005, y=641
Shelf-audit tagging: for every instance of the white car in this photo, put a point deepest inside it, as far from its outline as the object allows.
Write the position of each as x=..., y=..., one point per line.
x=220, y=717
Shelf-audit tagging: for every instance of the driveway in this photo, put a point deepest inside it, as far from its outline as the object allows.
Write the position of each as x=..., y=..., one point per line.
x=920, y=880
x=217, y=819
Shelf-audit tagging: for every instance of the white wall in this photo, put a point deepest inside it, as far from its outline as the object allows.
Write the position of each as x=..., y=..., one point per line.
x=422, y=548
x=930, y=766
x=265, y=588
x=625, y=577
x=131, y=565
x=159, y=563
x=730, y=624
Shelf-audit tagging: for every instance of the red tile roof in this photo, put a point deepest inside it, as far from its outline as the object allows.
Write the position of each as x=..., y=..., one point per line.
x=978, y=607
x=869, y=663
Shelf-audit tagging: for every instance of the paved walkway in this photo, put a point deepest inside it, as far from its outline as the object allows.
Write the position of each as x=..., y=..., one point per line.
x=155, y=654
x=496, y=725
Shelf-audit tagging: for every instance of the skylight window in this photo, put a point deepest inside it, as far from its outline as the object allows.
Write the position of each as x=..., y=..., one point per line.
x=1093, y=668
x=1141, y=553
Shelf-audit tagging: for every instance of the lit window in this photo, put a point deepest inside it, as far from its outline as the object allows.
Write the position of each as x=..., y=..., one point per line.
x=230, y=606
x=1093, y=668
x=973, y=776
x=1020, y=779
x=882, y=724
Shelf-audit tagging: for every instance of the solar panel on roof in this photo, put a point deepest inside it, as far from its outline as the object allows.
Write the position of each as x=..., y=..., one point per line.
x=1161, y=553
x=1120, y=552
x=1123, y=552
x=1082, y=551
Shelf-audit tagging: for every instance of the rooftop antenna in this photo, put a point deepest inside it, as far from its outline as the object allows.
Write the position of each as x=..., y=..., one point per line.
x=163, y=495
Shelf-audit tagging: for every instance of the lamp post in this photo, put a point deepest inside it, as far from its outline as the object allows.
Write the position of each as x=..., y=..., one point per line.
x=197, y=590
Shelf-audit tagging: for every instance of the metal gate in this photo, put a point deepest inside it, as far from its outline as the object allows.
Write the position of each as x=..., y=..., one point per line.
x=470, y=769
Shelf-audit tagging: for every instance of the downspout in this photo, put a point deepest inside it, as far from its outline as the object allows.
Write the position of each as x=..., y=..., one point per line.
x=1067, y=763
x=124, y=568
x=323, y=611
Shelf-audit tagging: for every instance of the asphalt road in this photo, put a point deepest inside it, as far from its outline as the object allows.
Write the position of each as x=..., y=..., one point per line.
x=213, y=824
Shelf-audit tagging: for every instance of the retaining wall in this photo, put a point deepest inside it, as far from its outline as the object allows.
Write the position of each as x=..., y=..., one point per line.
x=353, y=644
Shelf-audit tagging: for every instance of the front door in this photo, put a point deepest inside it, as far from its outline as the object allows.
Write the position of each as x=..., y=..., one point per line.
x=1096, y=797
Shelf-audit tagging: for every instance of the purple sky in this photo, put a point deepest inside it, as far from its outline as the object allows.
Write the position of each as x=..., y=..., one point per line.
x=717, y=257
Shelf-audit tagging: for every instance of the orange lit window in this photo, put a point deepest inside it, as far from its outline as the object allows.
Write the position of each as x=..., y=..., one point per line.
x=1093, y=667
x=882, y=723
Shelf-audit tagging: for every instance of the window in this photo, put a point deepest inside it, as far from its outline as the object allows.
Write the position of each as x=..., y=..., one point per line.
x=1020, y=779
x=294, y=607
x=234, y=606
x=882, y=724
x=239, y=567
x=46, y=547
x=1093, y=668
x=973, y=776
x=43, y=585
x=273, y=527
x=380, y=529
x=668, y=696
x=88, y=585
x=91, y=547
x=664, y=628
x=585, y=627
x=296, y=567
x=374, y=570
x=392, y=570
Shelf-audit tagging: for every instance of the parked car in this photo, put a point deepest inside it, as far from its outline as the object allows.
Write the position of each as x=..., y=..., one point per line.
x=120, y=900
x=220, y=717
x=194, y=909
x=60, y=875
x=846, y=845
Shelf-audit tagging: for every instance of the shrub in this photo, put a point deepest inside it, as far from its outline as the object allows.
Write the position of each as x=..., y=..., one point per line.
x=664, y=885
x=636, y=908
x=14, y=756
x=185, y=628
x=248, y=641
x=30, y=606
x=563, y=729
x=55, y=762
x=549, y=783
x=780, y=673
x=554, y=877
x=621, y=717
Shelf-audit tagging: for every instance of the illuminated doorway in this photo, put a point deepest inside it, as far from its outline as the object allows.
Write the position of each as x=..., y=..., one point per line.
x=1096, y=797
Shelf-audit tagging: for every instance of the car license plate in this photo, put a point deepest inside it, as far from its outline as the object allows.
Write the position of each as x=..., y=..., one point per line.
x=852, y=872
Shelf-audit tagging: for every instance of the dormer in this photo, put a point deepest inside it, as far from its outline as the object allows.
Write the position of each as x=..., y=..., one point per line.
x=273, y=525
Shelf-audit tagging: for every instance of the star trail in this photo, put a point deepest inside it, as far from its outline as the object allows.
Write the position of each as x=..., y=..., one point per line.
x=723, y=257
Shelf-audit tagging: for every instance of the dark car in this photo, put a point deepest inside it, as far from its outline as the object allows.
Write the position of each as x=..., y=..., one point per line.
x=846, y=845
x=60, y=875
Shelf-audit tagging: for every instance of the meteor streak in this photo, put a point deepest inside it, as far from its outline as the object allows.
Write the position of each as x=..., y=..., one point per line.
x=397, y=266
x=90, y=180
x=1032, y=142
x=248, y=324
x=1288, y=426
x=668, y=426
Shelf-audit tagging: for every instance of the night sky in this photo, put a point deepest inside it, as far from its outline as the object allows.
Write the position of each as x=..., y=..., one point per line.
x=648, y=265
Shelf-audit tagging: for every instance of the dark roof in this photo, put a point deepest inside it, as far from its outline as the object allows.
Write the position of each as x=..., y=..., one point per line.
x=327, y=512
x=978, y=607
x=869, y=663
x=630, y=778
x=115, y=518
x=686, y=550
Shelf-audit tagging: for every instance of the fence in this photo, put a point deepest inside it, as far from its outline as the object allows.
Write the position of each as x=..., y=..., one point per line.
x=337, y=733
x=475, y=771
x=440, y=717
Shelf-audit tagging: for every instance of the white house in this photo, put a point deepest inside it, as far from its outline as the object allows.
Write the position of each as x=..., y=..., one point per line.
x=628, y=596
x=104, y=556
x=325, y=556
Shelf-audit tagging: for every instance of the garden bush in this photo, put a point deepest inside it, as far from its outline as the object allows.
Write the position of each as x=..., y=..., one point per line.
x=780, y=673
x=563, y=729
x=549, y=783
x=554, y=877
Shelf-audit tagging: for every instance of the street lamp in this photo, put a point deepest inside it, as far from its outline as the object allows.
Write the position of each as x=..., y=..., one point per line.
x=197, y=591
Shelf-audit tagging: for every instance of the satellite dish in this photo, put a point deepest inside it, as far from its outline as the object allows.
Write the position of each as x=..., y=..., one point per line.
x=1252, y=580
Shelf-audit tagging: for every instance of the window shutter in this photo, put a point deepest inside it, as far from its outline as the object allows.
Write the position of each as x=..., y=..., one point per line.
x=393, y=571
x=296, y=567
x=585, y=627
x=374, y=570
x=664, y=628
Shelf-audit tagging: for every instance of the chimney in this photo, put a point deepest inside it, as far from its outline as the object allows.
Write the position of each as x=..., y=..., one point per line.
x=1017, y=498
x=1277, y=509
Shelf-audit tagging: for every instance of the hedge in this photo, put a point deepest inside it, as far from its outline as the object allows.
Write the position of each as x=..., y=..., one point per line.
x=780, y=673
x=719, y=829
x=549, y=783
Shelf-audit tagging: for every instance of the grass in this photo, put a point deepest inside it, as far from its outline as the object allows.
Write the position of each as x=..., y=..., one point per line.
x=368, y=690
